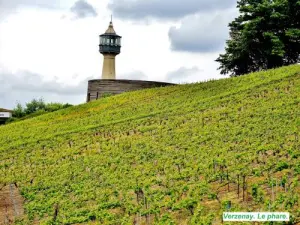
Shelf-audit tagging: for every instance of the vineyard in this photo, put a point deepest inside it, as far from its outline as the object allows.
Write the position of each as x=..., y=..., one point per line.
x=175, y=155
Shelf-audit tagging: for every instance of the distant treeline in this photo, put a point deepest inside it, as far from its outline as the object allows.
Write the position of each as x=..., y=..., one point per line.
x=34, y=108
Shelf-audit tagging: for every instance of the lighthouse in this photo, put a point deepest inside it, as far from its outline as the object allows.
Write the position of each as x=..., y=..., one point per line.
x=109, y=47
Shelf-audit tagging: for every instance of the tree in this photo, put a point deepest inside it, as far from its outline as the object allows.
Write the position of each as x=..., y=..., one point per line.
x=265, y=35
x=35, y=105
x=18, y=111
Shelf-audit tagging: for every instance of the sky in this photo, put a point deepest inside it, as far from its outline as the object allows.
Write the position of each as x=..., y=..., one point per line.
x=50, y=49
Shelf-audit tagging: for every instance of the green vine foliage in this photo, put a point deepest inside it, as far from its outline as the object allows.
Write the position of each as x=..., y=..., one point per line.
x=172, y=155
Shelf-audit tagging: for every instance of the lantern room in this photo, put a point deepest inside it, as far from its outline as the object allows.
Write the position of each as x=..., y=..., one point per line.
x=110, y=42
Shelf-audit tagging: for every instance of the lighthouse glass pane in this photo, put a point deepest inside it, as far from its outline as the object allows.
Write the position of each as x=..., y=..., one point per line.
x=112, y=41
x=107, y=41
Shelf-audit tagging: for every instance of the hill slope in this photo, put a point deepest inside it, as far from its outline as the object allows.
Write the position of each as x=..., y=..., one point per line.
x=174, y=155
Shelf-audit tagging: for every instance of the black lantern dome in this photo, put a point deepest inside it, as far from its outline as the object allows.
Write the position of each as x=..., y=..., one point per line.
x=110, y=42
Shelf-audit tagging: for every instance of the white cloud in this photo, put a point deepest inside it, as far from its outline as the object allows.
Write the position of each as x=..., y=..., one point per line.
x=83, y=9
x=202, y=32
x=133, y=75
x=9, y=7
x=182, y=74
x=166, y=9
x=23, y=86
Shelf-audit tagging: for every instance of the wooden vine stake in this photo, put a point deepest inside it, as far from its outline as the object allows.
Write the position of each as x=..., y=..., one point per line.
x=228, y=187
x=244, y=186
x=272, y=192
x=56, y=209
x=238, y=188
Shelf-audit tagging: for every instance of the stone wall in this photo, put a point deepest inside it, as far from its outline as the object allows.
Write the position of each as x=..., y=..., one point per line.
x=98, y=88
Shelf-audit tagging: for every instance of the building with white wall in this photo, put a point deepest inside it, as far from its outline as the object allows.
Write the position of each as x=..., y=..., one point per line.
x=4, y=115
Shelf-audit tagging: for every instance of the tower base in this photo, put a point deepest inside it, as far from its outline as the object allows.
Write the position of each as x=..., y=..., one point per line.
x=100, y=88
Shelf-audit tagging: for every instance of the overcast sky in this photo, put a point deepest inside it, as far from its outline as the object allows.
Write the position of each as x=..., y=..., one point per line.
x=49, y=49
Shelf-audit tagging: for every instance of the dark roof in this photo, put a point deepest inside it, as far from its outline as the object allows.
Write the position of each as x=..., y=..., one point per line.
x=5, y=110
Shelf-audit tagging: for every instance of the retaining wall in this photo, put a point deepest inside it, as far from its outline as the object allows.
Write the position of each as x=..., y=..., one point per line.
x=98, y=88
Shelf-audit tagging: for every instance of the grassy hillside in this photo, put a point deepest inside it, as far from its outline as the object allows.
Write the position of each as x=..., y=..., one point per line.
x=174, y=155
